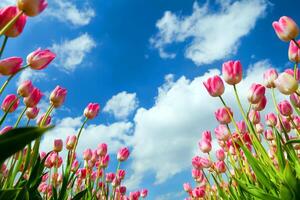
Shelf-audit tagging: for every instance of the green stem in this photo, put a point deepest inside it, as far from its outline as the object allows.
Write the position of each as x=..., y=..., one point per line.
x=114, y=188
x=10, y=23
x=295, y=70
x=28, y=121
x=3, y=45
x=20, y=117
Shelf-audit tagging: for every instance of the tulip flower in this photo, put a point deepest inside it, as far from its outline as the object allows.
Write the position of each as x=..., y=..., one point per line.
x=58, y=145
x=123, y=154
x=102, y=149
x=205, y=146
x=10, y=66
x=223, y=115
x=87, y=154
x=40, y=59
x=109, y=177
x=214, y=86
x=256, y=93
x=271, y=119
x=197, y=175
x=220, y=166
x=222, y=132
x=104, y=161
x=32, y=7
x=47, y=121
x=232, y=72
x=259, y=127
x=292, y=73
x=25, y=88
x=285, y=108
x=70, y=142
x=5, y=129
x=260, y=105
x=187, y=187
x=92, y=110
x=198, y=192
x=295, y=100
x=57, y=96
x=121, y=174
x=269, y=77
x=286, y=83
x=286, y=29
x=254, y=116
x=284, y=125
x=10, y=103
x=144, y=193
x=206, y=135
x=220, y=154
x=33, y=99
x=6, y=15
x=196, y=162
x=294, y=52
x=269, y=135
x=32, y=113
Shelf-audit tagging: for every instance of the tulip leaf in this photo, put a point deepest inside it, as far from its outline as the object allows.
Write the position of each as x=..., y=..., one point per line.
x=279, y=152
x=292, y=141
x=80, y=195
x=9, y=193
x=16, y=139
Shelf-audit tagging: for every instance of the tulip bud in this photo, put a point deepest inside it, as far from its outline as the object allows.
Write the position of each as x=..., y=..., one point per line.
x=32, y=8
x=206, y=135
x=196, y=162
x=121, y=174
x=220, y=166
x=220, y=154
x=294, y=52
x=295, y=100
x=222, y=132
x=223, y=115
x=187, y=187
x=286, y=29
x=31, y=113
x=123, y=154
x=33, y=99
x=104, y=161
x=285, y=108
x=70, y=142
x=102, y=149
x=58, y=145
x=5, y=129
x=10, y=66
x=214, y=86
x=197, y=174
x=285, y=125
x=25, y=88
x=198, y=192
x=254, y=116
x=10, y=103
x=269, y=135
x=109, y=177
x=58, y=96
x=232, y=72
x=256, y=93
x=92, y=110
x=40, y=59
x=87, y=154
x=271, y=119
x=6, y=15
x=205, y=146
x=286, y=83
x=269, y=77
x=260, y=105
x=292, y=73
x=144, y=193
x=47, y=121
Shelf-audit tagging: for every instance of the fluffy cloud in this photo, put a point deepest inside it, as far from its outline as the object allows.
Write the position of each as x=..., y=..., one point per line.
x=166, y=135
x=71, y=53
x=122, y=105
x=34, y=76
x=214, y=35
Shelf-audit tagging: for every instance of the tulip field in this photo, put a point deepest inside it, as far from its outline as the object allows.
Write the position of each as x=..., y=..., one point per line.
x=255, y=156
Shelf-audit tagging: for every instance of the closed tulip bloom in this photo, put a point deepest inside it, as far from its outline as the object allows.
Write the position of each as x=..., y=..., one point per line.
x=254, y=116
x=205, y=146
x=122, y=190
x=222, y=132
x=295, y=100
x=102, y=149
x=144, y=193
x=104, y=161
x=256, y=93
x=269, y=135
x=198, y=192
x=32, y=113
x=87, y=154
x=284, y=126
x=196, y=162
x=187, y=187
x=206, y=135
x=10, y=66
x=109, y=177
x=57, y=97
x=223, y=115
x=292, y=73
x=286, y=83
x=33, y=99
x=214, y=86
x=25, y=88
x=92, y=110
x=271, y=119
x=242, y=126
x=260, y=105
x=58, y=145
x=6, y=15
x=70, y=141
x=294, y=52
x=232, y=72
x=285, y=108
x=269, y=77
x=259, y=128
x=123, y=154
x=220, y=166
x=47, y=121
x=32, y=7
x=206, y=162
x=220, y=154
x=40, y=59
x=121, y=174
x=286, y=29
x=197, y=174
x=82, y=172
x=5, y=129
x=12, y=101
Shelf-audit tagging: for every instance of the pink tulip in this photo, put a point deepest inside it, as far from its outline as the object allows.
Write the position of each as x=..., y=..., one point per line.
x=256, y=93
x=295, y=100
x=43, y=155
x=286, y=29
x=57, y=96
x=294, y=52
x=242, y=126
x=121, y=174
x=123, y=154
x=92, y=110
x=144, y=193
x=122, y=190
x=47, y=121
x=285, y=126
x=104, y=161
x=285, y=108
x=222, y=132
x=5, y=129
x=206, y=135
x=205, y=146
x=220, y=166
x=58, y=145
x=33, y=99
x=10, y=66
x=269, y=77
x=197, y=175
x=259, y=128
x=187, y=187
x=198, y=192
x=70, y=142
x=286, y=83
x=206, y=163
x=6, y=15
x=32, y=113
x=40, y=59
x=220, y=154
x=254, y=116
x=271, y=119
x=109, y=177
x=269, y=135
x=25, y=88
x=260, y=105
x=223, y=115
x=196, y=162
x=12, y=101
x=102, y=149
x=232, y=72
x=82, y=173
x=32, y=8
x=292, y=73
x=75, y=165
x=214, y=86
x=87, y=154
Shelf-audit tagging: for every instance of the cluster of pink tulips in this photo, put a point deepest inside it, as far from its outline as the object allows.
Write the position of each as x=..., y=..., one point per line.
x=27, y=173
x=256, y=158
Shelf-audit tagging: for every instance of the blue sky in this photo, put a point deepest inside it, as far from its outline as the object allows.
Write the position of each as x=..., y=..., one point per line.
x=121, y=54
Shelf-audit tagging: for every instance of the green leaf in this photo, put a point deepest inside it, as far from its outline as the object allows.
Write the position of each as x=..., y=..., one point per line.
x=279, y=151
x=286, y=193
x=9, y=193
x=292, y=141
x=79, y=195
x=16, y=139
x=220, y=191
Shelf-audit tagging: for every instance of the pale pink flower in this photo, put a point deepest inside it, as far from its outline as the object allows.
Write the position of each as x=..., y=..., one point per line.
x=286, y=29
x=271, y=119
x=220, y=166
x=222, y=132
x=25, y=88
x=87, y=154
x=10, y=66
x=33, y=98
x=196, y=162
x=214, y=86
x=295, y=100
x=102, y=149
x=294, y=52
x=58, y=145
x=256, y=93
x=57, y=96
x=286, y=83
x=232, y=72
x=123, y=154
x=269, y=77
x=254, y=116
x=220, y=154
x=206, y=135
x=10, y=103
x=205, y=146
x=92, y=110
x=223, y=115
x=70, y=141
x=32, y=113
x=40, y=59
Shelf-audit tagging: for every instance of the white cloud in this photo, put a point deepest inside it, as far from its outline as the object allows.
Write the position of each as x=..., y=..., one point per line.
x=67, y=11
x=166, y=135
x=71, y=53
x=122, y=105
x=171, y=196
x=214, y=35
x=34, y=76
